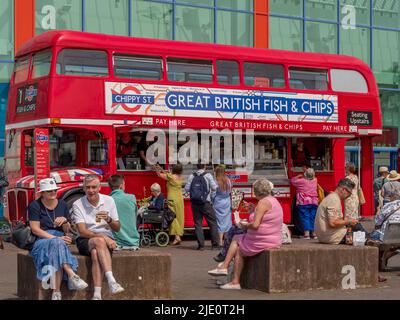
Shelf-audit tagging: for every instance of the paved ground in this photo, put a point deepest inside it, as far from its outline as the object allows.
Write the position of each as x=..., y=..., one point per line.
x=191, y=281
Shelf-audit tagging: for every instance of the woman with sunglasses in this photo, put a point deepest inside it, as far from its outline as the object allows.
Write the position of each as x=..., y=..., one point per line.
x=48, y=219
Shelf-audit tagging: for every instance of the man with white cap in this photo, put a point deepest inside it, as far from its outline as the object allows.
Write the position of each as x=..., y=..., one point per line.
x=378, y=184
x=391, y=188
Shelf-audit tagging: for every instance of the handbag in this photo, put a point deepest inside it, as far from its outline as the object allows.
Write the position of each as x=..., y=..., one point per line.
x=22, y=236
x=361, y=197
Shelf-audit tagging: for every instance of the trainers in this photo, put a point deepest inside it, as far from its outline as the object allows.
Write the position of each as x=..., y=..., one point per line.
x=96, y=298
x=218, y=272
x=200, y=248
x=76, y=283
x=116, y=288
x=219, y=257
x=56, y=296
x=230, y=286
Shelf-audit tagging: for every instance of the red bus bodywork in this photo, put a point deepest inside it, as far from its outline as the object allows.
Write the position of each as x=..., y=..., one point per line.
x=78, y=102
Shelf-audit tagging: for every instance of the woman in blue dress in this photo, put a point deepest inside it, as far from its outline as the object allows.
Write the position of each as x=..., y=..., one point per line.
x=48, y=219
x=222, y=203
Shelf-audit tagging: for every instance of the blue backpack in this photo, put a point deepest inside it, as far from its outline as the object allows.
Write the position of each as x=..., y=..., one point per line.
x=199, y=189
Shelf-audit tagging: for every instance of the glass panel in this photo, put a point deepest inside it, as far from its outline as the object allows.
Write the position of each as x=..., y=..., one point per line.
x=264, y=75
x=387, y=13
x=5, y=71
x=131, y=149
x=348, y=81
x=235, y=28
x=290, y=7
x=152, y=20
x=190, y=70
x=138, y=67
x=21, y=70
x=62, y=148
x=321, y=37
x=98, y=152
x=13, y=151
x=194, y=24
x=310, y=79
x=82, y=62
x=228, y=72
x=386, y=58
x=390, y=104
x=311, y=152
x=356, y=42
x=58, y=14
x=41, y=64
x=6, y=30
x=322, y=9
x=360, y=7
x=29, y=148
x=208, y=3
x=286, y=34
x=236, y=4
x=107, y=16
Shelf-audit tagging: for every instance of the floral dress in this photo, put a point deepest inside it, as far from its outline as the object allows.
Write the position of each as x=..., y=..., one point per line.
x=352, y=203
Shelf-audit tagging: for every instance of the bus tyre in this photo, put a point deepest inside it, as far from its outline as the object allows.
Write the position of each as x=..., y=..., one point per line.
x=145, y=241
x=162, y=239
x=71, y=199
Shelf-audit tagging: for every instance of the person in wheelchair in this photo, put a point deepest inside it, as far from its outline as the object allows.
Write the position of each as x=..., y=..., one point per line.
x=390, y=214
x=157, y=199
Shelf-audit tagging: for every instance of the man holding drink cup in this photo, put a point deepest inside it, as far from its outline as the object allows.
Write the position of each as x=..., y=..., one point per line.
x=96, y=216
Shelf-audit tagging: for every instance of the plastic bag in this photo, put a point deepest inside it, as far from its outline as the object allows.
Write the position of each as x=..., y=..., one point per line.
x=359, y=238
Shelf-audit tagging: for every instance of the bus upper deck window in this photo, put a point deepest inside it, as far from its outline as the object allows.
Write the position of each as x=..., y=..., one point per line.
x=21, y=70
x=227, y=72
x=348, y=81
x=82, y=63
x=138, y=67
x=308, y=78
x=41, y=64
x=188, y=70
x=264, y=75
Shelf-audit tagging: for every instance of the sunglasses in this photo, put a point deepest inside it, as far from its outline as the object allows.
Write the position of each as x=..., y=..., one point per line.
x=49, y=191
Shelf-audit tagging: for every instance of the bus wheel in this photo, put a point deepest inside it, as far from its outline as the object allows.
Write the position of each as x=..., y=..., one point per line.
x=72, y=198
x=145, y=241
x=162, y=239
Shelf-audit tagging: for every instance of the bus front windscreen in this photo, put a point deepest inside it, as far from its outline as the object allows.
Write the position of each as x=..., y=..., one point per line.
x=64, y=146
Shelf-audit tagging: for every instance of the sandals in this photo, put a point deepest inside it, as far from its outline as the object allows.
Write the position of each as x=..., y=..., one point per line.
x=176, y=242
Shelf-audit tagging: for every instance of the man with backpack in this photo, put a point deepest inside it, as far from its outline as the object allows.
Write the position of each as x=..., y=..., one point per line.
x=199, y=185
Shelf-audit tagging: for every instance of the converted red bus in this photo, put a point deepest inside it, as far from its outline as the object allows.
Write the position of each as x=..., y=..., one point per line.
x=93, y=91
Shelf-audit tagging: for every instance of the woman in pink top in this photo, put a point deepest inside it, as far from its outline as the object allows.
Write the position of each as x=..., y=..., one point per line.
x=264, y=231
x=307, y=200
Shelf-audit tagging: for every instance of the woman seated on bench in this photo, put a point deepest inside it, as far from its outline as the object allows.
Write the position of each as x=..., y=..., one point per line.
x=264, y=231
x=48, y=219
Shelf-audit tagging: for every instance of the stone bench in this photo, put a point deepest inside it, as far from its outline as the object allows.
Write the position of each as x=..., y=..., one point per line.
x=145, y=274
x=308, y=265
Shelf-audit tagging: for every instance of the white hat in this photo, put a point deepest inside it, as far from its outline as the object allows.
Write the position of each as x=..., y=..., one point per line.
x=48, y=184
x=393, y=175
x=383, y=169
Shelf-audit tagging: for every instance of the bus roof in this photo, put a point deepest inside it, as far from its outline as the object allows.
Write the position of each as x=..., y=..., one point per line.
x=77, y=39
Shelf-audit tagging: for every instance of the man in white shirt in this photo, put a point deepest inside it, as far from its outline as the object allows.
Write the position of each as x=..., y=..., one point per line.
x=96, y=217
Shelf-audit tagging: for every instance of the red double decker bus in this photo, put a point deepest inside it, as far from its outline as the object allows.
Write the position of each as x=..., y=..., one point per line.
x=99, y=95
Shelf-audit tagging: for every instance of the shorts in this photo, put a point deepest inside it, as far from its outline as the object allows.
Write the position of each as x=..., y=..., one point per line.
x=83, y=246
